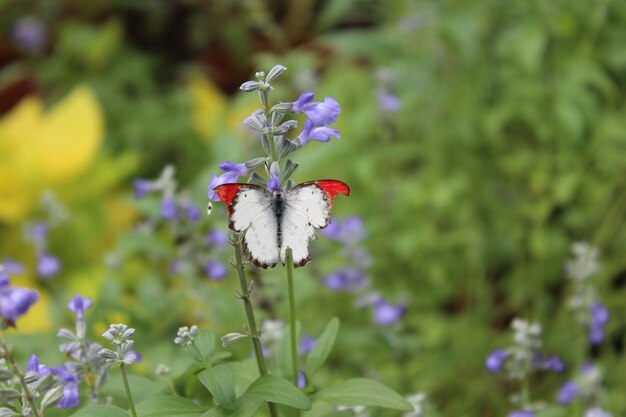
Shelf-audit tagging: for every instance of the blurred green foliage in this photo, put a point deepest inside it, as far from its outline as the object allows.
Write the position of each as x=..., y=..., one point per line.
x=509, y=145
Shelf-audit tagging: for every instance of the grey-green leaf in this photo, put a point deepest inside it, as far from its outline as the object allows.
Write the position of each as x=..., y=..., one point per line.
x=100, y=411
x=364, y=392
x=220, y=382
x=319, y=353
x=277, y=390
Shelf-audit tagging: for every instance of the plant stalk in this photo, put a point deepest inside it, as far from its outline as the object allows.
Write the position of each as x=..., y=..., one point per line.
x=6, y=352
x=245, y=297
x=292, y=315
x=128, y=394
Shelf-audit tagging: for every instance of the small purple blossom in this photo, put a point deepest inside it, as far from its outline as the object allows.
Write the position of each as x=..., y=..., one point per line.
x=39, y=232
x=319, y=113
x=567, y=393
x=388, y=101
x=78, y=305
x=217, y=237
x=350, y=231
x=14, y=301
x=307, y=344
x=521, y=413
x=71, y=397
x=47, y=265
x=301, y=380
x=311, y=132
x=169, y=211
x=215, y=270
x=495, y=360
x=239, y=169
x=29, y=33
x=12, y=267
x=273, y=183
x=38, y=368
x=225, y=178
x=550, y=363
x=386, y=313
x=192, y=211
x=346, y=279
x=142, y=187
x=599, y=318
x=174, y=267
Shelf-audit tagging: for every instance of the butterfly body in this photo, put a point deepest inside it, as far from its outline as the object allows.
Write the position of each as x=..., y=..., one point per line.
x=269, y=222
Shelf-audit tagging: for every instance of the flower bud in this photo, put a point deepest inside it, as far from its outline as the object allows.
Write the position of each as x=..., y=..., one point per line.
x=5, y=412
x=282, y=108
x=232, y=338
x=275, y=72
x=51, y=397
x=250, y=86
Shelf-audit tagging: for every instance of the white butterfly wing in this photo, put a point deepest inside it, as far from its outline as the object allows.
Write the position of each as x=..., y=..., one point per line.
x=250, y=213
x=307, y=207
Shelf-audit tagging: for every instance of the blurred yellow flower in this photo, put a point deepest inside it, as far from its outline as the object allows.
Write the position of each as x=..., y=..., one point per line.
x=40, y=150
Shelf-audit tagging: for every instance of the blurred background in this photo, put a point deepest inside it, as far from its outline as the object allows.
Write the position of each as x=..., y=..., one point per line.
x=480, y=140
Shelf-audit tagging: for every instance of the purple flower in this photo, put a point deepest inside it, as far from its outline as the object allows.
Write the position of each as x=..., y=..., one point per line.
x=599, y=318
x=301, y=380
x=350, y=231
x=192, y=211
x=273, y=183
x=319, y=113
x=38, y=368
x=174, y=267
x=14, y=301
x=346, y=279
x=39, y=232
x=225, y=178
x=388, y=101
x=567, y=392
x=12, y=267
x=142, y=186
x=307, y=344
x=550, y=363
x=215, y=270
x=217, y=238
x=70, y=382
x=521, y=413
x=320, y=134
x=495, y=360
x=386, y=313
x=169, y=211
x=239, y=169
x=132, y=356
x=78, y=305
x=29, y=33
x=47, y=265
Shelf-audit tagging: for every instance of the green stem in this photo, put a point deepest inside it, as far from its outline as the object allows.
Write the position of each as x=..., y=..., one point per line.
x=6, y=353
x=245, y=297
x=268, y=116
x=128, y=394
x=292, y=315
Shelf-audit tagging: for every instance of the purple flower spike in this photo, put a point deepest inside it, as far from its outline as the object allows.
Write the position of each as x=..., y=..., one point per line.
x=495, y=360
x=567, y=392
x=521, y=413
x=78, y=305
x=320, y=134
x=319, y=113
x=142, y=187
x=215, y=270
x=225, y=178
x=14, y=301
x=599, y=318
x=386, y=313
x=47, y=265
x=240, y=169
x=169, y=211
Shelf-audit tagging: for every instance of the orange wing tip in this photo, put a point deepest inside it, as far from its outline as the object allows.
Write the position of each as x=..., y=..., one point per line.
x=333, y=187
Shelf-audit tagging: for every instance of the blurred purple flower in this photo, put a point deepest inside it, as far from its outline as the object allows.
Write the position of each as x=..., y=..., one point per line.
x=14, y=301
x=550, y=363
x=78, y=304
x=495, y=360
x=320, y=134
x=174, y=267
x=215, y=270
x=132, y=356
x=29, y=33
x=217, y=237
x=12, y=267
x=350, y=231
x=301, y=380
x=47, y=265
x=225, y=178
x=239, y=169
x=39, y=232
x=38, y=368
x=567, y=392
x=346, y=279
x=521, y=413
x=169, y=211
x=319, y=113
x=307, y=344
x=71, y=397
x=387, y=101
x=386, y=313
x=192, y=211
x=142, y=186
x=599, y=318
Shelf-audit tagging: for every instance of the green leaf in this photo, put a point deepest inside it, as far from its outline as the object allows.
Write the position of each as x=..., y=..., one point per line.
x=319, y=353
x=552, y=412
x=167, y=406
x=220, y=382
x=245, y=407
x=141, y=387
x=100, y=411
x=277, y=390
x=364, y=392
x=204, y=344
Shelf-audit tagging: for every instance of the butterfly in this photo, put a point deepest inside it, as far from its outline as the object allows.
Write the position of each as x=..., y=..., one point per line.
x=269, y=222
